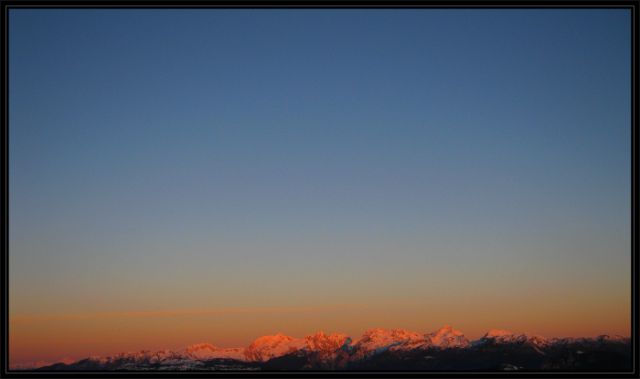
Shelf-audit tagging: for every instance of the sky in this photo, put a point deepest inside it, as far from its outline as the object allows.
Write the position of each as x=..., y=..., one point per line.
x=185, y=176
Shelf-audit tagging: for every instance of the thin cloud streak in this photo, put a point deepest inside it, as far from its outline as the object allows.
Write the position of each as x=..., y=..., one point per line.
x=27, y=318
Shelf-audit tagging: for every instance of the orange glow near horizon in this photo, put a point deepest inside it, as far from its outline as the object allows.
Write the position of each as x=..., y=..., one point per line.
x=66, y=337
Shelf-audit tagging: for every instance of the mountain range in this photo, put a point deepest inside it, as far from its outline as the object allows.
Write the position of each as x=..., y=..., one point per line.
x=381, y=349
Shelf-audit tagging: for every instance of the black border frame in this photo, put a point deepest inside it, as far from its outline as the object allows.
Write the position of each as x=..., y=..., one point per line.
x=6, y=5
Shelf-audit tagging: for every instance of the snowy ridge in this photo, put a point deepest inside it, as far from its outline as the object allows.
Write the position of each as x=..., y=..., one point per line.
x=500, y=336
x=327, y=346
x=205, y=351
x=269, y=347
x=448, y=337
x=375, y=341
x=326, y=350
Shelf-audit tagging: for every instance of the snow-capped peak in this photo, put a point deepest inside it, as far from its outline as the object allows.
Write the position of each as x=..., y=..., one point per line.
x=377, y=340
x=326, y=342
x=497, y=333
x=204, y=351
x=199, y=348
x=447, y=337
x=505, y=336
x=268, y=347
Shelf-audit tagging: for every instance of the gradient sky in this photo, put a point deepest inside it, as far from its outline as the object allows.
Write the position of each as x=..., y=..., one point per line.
x=183, y=176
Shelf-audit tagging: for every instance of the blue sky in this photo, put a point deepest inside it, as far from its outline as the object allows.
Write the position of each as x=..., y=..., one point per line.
x=454, y=143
